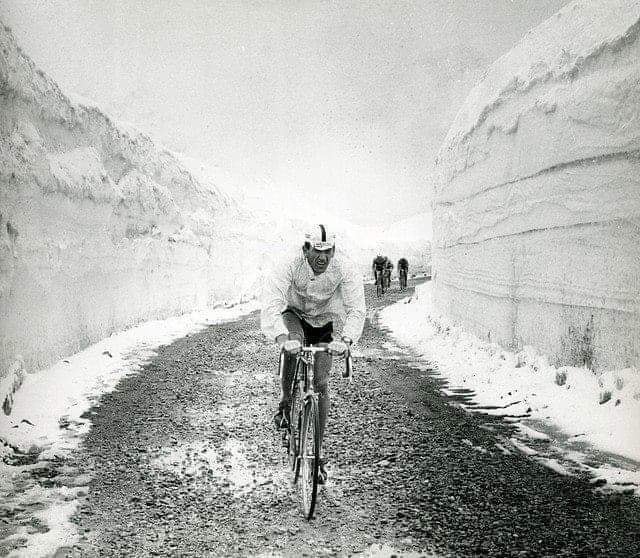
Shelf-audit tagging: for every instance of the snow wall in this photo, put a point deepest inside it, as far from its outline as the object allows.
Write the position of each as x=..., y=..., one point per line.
x=99, y=228
x=537, y=202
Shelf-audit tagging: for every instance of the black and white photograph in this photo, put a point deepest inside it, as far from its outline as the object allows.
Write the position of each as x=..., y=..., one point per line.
x=320, y=278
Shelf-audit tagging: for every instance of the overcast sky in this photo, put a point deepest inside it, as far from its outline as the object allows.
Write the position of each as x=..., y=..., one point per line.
x=348, y=101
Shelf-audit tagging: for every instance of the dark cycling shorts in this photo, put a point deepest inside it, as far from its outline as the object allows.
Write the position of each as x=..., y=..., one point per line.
x=311, y=335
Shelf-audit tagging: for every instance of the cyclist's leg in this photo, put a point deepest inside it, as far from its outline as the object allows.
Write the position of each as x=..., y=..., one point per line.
x=294, y=324
x=321, y=386
x=321, y=383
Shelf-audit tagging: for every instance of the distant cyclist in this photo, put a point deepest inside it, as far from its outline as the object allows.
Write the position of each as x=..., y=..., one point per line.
x=301, y=300
x=388, y=270
x=403, y=272
x=379, y=263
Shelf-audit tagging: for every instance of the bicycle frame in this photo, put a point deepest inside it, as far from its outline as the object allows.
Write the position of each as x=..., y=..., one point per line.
x=380, y=282
x=304, y=374
x=306, y=356
x=299, y=420
x=306, y=362
x=402, y=278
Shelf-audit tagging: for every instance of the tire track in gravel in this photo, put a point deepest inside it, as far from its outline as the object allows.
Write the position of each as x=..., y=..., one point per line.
x=185, y=462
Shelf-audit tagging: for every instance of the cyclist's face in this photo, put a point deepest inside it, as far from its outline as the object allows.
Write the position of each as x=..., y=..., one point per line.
x=318, y=259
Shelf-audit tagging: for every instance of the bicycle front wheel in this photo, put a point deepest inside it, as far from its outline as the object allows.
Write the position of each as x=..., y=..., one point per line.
x=295, y=425
x=310, y=451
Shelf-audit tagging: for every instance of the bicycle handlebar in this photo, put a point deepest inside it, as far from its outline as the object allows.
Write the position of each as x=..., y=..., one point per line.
x=313, y=349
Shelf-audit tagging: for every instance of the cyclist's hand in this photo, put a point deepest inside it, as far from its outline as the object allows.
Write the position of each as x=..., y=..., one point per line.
x=338, y=348
x=292, y=346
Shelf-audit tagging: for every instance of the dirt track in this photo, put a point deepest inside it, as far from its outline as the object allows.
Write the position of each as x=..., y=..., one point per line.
x=185, y=462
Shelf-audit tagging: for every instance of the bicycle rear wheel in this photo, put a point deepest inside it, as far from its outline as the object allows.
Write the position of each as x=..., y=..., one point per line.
x=310, y=450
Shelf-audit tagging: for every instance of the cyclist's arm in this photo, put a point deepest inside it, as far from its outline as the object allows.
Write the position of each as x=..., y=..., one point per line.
x=353, y=298
x=274, y=301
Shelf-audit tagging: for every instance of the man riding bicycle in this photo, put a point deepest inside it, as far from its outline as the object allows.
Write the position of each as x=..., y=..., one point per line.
x=378, y=267
x=301, y=300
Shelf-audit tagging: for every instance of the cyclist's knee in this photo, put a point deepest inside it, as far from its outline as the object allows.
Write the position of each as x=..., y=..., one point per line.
x=289, y=363
x=321, y=376
x=323, y=362
x=297, y=335
x=321, y=384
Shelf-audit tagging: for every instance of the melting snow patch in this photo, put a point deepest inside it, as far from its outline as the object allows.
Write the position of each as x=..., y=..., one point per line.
x=554, y=465
x=61, y=531
x=200, y=460
x=386, y=551
x=523, y=448
x=531, y=433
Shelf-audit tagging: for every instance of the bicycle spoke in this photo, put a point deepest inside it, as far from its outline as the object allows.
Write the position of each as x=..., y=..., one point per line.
x=310, y=458
x=294, y=431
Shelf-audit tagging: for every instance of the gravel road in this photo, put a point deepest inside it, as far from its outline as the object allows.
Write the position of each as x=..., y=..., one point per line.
x=183, y=461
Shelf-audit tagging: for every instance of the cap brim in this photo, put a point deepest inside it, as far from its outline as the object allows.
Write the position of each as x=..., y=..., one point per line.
x=322, y=246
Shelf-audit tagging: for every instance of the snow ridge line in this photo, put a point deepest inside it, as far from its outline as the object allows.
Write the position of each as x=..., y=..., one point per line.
x=556, y=294
x=458, y=133
x=591, y=160
x=51, y=104
x=465, y=240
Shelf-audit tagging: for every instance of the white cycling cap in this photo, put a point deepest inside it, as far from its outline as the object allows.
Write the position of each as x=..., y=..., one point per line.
x=319, y=238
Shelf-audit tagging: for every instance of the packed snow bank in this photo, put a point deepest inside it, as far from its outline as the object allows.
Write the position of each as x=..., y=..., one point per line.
x=602, y=410
x=100, y=229
x=48, y=417
x=537, y=201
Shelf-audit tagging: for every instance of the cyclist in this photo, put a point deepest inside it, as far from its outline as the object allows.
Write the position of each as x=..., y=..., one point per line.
x=379, y=263
x=301, y=300
x=403, y=272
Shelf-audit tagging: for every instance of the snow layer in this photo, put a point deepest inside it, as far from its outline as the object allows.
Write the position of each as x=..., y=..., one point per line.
x=537, y=202
x=99, y=227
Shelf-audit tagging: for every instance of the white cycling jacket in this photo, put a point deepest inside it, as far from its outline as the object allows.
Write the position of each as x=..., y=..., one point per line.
x=335, y=295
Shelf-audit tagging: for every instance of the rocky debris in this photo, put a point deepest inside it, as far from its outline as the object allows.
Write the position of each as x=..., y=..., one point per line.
x=182, y=460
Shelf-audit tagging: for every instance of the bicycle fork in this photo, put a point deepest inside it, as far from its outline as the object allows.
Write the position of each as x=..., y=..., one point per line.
x=306, y=415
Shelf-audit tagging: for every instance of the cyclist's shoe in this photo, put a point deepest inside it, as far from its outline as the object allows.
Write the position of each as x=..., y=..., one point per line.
x=322, y=472
x=281, y=418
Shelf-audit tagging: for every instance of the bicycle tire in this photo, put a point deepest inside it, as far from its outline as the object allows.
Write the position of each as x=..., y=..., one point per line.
x=310, y=452
x=295, y=423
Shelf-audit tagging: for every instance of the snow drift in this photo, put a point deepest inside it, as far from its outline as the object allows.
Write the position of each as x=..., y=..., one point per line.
x=537, y=202
x=99, y=228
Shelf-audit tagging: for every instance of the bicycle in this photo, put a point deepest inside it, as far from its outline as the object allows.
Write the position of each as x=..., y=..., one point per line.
x=302, y=436
x=402, y=278
x=379, y=283
x=387, y=278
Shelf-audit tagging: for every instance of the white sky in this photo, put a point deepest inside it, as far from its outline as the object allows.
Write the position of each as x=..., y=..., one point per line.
x=570, y=416
x=349, y=98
